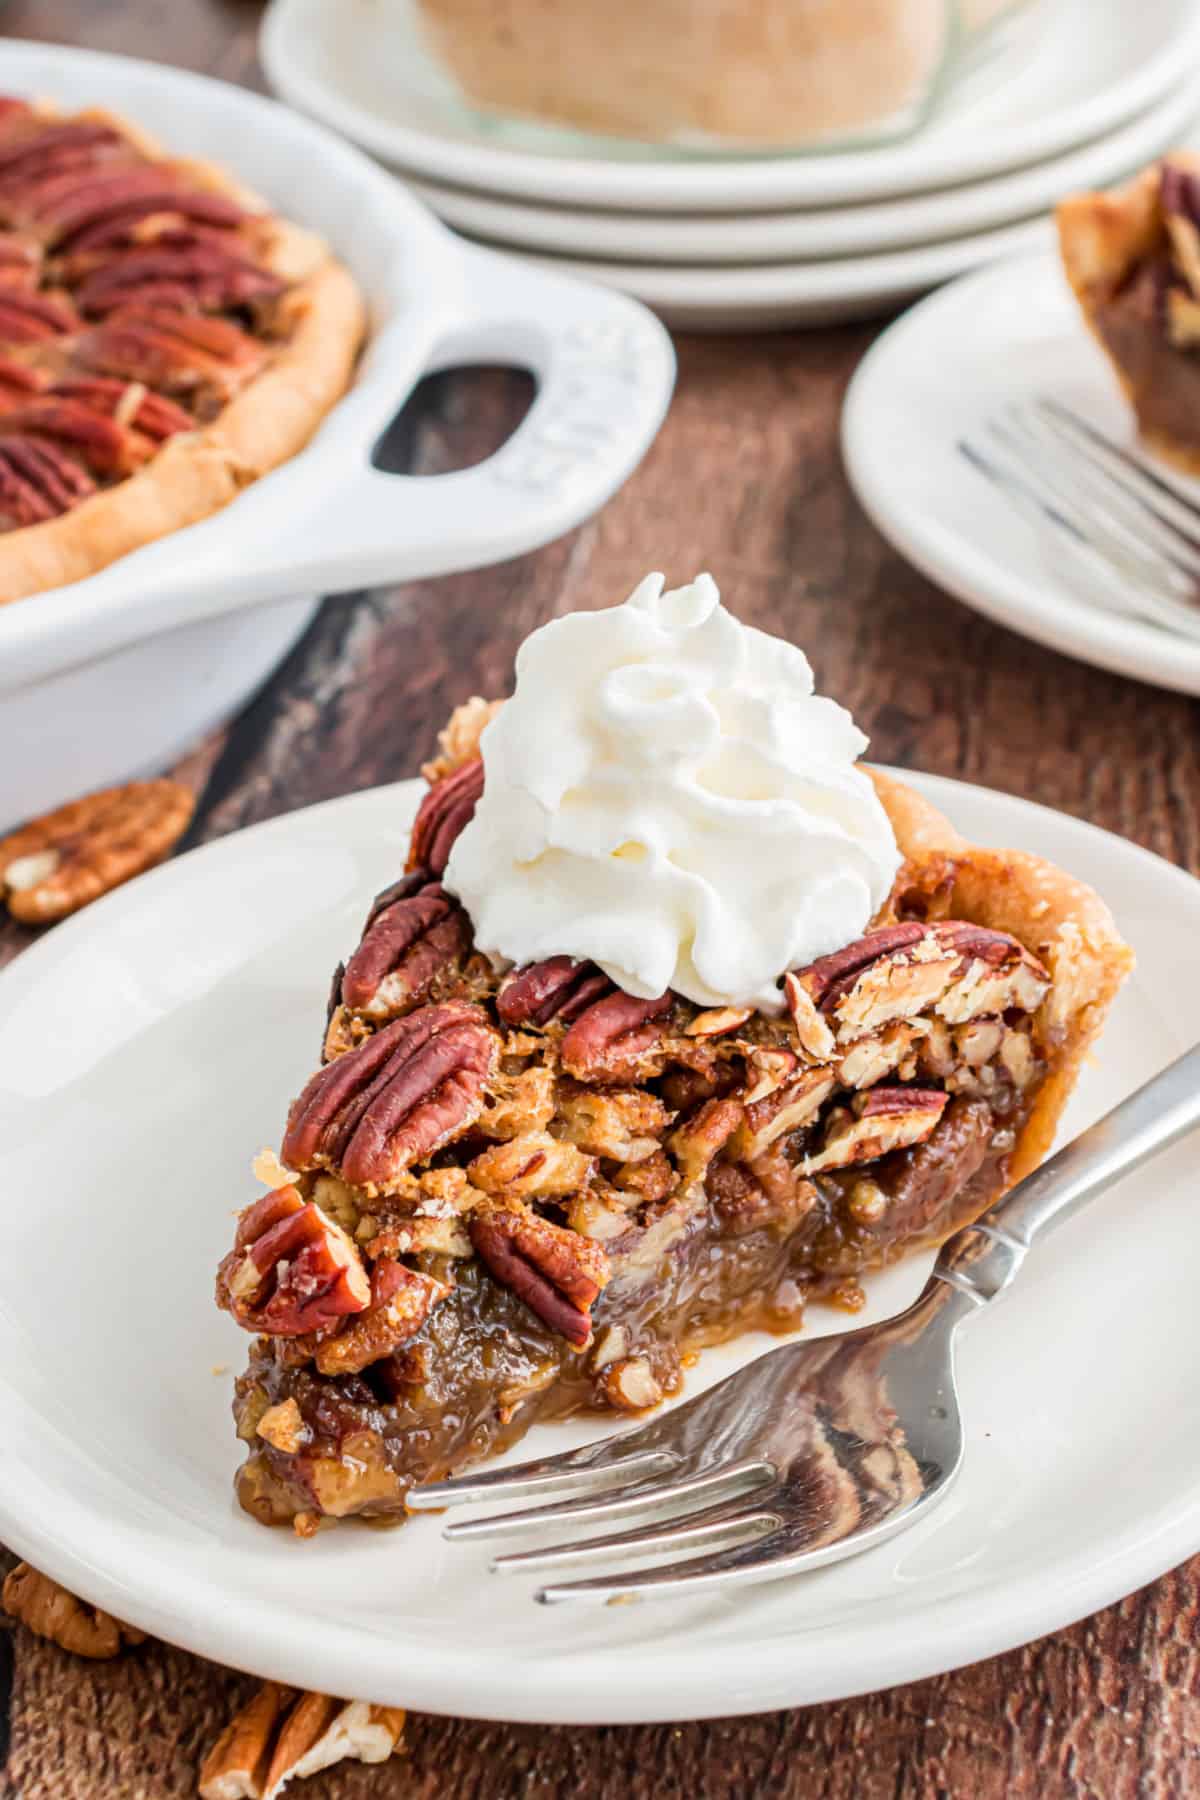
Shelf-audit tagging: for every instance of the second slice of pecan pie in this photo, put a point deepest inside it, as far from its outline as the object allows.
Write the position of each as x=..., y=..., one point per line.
x=1133, y=259
x=508, y=1198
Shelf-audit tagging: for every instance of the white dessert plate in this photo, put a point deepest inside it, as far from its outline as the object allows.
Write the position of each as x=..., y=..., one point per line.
x=151, y=1046
x=762, y=237
x=765, y=296
x=1073, y=70
x=1000, y=336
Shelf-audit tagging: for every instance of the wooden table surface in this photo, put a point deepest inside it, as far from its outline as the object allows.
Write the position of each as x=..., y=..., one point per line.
x=745, y=480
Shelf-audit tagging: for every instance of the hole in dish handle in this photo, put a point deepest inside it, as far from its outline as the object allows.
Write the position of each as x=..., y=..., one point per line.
x=604, y=369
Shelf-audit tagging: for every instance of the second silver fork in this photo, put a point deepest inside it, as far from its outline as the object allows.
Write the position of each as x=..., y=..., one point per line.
x=1135, y=535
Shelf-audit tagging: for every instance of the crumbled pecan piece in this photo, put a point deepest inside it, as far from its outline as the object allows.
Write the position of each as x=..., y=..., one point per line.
x=292, y=1269
x=556, y=1272
x=409, y=1089
x=717, y=1021
x=401, y=1301
x=282, y=1736
x=282, y=1427
x=559, y=988
x=631, y=1386
x=789, y=1107
x=884, y=1118
x=536, y=1165
x=694, y=1143
x=651, y=1180
x=812, y=1031
x=610, y=1041
x=769, y=1066
x=869, y=1059
x=52, y=1612
x=624, y=1124
x=59, y=862
x=520, y=1103
x=447, y=807
x=408, y=945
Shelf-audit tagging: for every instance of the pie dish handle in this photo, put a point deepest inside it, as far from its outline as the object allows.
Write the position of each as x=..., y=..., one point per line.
x=329, y=521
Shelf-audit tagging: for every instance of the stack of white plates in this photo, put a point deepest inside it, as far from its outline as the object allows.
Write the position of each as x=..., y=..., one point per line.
x=1070, y=94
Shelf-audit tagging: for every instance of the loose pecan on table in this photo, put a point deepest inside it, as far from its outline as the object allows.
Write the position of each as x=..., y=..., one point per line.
x=420, y=934
x=446, y=809
x=414, y=1086
x=282, y=1735
x=292, y=1269
x=52, y=1612
x=556, y=1272
x=57, y=863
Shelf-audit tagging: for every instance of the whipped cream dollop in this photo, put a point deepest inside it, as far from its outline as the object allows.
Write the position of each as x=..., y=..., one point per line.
x=666, y=796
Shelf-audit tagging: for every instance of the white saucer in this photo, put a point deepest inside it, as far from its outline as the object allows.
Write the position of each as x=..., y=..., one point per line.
x=750, y=237
x=364, y=70
x=765, y=296
x=151, y=1046
x=983, y=343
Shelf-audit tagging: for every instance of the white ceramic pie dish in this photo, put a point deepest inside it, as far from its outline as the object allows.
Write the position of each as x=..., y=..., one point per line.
x=108, y=676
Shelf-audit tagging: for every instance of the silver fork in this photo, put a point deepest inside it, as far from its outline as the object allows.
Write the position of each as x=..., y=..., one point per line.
x=1135, y=534
x=817, y=1450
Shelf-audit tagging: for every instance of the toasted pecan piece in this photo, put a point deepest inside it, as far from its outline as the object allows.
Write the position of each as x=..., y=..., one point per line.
x=282, y=1736
x=557, y=1273
x=58, y=863
x=52, y=1612
x=447, y=807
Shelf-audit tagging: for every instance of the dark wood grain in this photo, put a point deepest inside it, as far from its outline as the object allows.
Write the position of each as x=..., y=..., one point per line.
x=745, y=479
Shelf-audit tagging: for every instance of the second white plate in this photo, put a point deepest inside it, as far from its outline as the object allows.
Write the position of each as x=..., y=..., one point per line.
x=146, y=1057
x=820, y=233
x=1001, y=336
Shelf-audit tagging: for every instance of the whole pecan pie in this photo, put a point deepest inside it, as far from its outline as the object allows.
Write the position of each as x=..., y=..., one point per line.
x=1133, y=260
x=507, y=1197
x=164, y=340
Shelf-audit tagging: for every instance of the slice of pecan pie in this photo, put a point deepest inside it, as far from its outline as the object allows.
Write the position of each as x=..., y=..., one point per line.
x=164, y=340
x=1133, y=259
x=510, y=1197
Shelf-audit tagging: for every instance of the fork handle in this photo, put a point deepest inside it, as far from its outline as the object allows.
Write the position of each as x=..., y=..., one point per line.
x=1148, y=1121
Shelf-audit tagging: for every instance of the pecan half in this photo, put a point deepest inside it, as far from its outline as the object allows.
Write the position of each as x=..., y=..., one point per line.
x=608, y=1040
x=206, y=276
x=20, y=261
x=29, y=318
x=557, y=1273
x=207, y=360
x=52, y=1612
x=282, y=1736
x=99, y=210
x=412, y=1087
x=292, y=1269
x=401, y=1301
x=885, y=1118
x=38, y=481
x=694, y=1143
x=447, y=807
x=58, y=863
x=559, y=988
x=421, y=935
x=106, y=447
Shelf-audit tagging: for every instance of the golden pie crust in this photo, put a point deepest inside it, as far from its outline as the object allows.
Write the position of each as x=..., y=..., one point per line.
x=268, y=421
x=1063, y=921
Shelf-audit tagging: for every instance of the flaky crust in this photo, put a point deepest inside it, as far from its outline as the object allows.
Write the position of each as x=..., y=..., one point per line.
x=197, y=473
x=1062, y=920
x=1101, y=236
